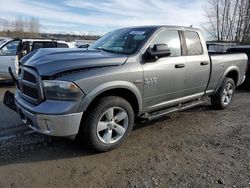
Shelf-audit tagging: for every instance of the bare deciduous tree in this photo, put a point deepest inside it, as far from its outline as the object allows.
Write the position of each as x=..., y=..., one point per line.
x=21, y=27
x=228, y=20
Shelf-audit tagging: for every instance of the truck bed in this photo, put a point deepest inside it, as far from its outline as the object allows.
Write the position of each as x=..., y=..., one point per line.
x=221, y=61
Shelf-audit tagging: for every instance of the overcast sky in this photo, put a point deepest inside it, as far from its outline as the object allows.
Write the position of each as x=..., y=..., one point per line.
x=101, y=16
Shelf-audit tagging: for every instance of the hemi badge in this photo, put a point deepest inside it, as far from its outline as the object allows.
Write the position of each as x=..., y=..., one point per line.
x=138, y=81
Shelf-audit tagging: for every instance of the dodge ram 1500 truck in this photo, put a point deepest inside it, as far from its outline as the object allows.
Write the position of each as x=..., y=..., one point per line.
x=94, y=95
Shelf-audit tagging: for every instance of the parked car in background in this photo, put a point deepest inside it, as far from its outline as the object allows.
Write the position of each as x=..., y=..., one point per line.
x=243, y=49
x=3, y=40
x=145, y=72
x=12, y=50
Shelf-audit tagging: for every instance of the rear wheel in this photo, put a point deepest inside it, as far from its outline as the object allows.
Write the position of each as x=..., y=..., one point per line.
x=107, y=123
x=223, y=97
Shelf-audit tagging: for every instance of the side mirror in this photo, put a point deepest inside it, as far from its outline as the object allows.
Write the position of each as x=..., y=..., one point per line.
x=158, y=51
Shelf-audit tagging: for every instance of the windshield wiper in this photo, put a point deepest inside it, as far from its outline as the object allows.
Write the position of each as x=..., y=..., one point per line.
x=106, y=50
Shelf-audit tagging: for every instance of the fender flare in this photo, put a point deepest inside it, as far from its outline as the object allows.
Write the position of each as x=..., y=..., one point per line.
x=109, y=86
x=228, y=70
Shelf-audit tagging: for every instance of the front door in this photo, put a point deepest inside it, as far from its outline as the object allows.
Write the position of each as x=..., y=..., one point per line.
x=165, y=79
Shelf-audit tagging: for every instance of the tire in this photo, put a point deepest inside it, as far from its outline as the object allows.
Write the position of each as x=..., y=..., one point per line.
x=247, y=85
x=106, y=124
x=223, y=97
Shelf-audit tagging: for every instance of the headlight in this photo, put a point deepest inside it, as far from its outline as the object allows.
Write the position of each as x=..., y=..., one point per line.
x=61, y=90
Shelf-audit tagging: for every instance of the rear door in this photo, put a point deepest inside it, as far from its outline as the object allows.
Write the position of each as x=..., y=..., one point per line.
x=197, y=63
x=8, y=57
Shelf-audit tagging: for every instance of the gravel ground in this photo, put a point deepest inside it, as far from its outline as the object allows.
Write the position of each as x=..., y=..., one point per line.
x=196, y=148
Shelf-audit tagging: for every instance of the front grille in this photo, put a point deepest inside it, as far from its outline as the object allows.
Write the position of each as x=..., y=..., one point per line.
x=31, y=92
x=30, y=85
x=29, y=77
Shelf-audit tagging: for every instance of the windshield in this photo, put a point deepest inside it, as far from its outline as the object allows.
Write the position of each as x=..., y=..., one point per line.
x=10, y=48
x=124, y=41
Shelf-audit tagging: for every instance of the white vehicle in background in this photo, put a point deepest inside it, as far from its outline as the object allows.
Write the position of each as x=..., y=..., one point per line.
x=3, y=40
x=12, y=50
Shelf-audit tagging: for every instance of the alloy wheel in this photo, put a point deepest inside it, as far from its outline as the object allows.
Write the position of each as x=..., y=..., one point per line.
x=112, y=125
x=227, y=94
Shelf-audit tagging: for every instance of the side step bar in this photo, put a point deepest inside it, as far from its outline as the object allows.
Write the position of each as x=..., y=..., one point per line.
x=180, y=107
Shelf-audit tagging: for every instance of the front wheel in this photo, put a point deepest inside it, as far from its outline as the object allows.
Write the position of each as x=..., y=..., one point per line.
x=107, y=123
x=223, y=97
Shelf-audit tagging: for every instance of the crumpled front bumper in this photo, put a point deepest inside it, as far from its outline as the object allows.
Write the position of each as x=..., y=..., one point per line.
x=54, y=125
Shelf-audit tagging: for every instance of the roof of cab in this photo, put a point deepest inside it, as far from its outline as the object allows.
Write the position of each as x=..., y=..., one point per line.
x=191, y=28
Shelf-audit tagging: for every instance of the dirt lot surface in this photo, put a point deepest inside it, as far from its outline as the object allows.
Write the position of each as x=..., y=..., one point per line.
x=197, y=148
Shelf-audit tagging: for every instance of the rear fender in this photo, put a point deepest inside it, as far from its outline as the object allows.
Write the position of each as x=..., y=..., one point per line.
x=228, y=70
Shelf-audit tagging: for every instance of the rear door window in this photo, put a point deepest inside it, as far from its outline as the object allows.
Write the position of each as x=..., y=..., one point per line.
x=194, y=46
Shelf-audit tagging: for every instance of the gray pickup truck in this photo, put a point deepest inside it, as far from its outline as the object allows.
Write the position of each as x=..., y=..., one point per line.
x=94, y=95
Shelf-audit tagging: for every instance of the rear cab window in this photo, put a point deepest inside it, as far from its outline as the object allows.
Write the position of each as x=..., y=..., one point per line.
x=193, y=42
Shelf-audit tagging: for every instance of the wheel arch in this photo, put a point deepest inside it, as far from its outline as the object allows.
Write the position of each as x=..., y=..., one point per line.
x=233, y=73
x=123, y=89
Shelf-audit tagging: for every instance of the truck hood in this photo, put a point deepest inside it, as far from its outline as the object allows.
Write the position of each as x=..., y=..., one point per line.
x=49, y=62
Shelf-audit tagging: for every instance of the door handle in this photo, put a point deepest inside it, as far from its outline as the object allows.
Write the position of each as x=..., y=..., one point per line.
x=204, y=63
x=179, y=66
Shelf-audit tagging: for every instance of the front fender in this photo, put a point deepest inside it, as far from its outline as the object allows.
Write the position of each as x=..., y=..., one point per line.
x=109, y=86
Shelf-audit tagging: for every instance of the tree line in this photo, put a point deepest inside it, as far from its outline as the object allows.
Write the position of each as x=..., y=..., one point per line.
x=20, y=28
x=31, y=28
x=228, y=20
